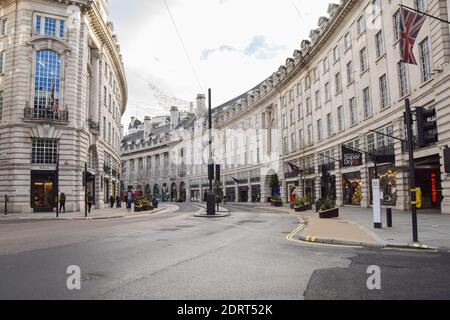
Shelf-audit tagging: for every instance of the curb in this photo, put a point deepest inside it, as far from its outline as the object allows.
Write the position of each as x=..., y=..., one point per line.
x=415, y=246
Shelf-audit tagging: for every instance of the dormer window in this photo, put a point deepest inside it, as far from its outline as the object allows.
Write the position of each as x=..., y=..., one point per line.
x=49, y=26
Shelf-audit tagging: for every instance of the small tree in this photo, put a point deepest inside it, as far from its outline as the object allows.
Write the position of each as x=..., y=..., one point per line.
x=274, y=183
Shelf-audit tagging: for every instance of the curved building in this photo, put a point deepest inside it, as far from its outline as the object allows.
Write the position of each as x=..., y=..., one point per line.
x=62, y=94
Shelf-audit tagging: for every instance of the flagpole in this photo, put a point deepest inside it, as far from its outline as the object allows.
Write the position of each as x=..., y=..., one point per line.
x=425, y=14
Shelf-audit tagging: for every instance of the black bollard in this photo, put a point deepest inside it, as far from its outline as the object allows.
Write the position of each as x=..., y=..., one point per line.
x=6, y=204
x=389, y=217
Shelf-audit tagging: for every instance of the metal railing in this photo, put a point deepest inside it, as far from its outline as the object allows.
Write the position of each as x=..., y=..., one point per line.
x=32, y=114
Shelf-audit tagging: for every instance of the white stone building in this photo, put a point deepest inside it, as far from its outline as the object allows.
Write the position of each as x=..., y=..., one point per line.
x=62, y=94
x=345, y=81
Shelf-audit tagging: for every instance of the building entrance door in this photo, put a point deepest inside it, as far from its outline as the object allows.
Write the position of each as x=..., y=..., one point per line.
x=42, y=191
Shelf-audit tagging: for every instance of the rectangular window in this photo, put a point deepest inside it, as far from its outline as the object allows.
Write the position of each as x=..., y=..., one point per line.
x=301, y=138
x=294, y=142
x=397, y=23
x=318, y=100
x=2, y=62
x=361, y=25
x=338, y=82
x=316, y=74
x=38, y=24
x=379, y=44
x=327, y=92
x=285, y=145
x=402, y=79
x=366, y=102
x=371, y=142
x=308, y=106
x=292, y=117
x=363, y=59
x=299, y=89
x=285, y=123
x=4, y=26
x=50, y=26
x=420, y=5
x=1, y=105
x=350, y=76
x=44, y=151
x=353, y=111
x=425, y=60
x=319, y=130
x=348, y=40
x=307, y=82
x=291, y=95
x=384, y=95
x=310, y=141
x=104, y=128
x=329, y=125
x=340, y=114
x=300, y=111
x=61, y=28
x=105, y=96
x=336, y=54
x=326, y=65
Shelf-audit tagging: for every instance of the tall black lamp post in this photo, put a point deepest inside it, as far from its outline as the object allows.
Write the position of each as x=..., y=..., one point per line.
x=211, y=196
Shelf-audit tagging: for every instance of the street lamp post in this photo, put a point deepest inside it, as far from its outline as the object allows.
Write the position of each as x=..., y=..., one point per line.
x=210, y=197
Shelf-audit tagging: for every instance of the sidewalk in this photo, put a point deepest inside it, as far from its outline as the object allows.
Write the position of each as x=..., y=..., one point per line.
x=96, y=214
x=355, y=227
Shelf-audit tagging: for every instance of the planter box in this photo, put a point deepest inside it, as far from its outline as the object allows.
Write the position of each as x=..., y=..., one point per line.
x=147, y=208
x=137, y=209
x=277, y=203
x=328, y=214
x=303, y=208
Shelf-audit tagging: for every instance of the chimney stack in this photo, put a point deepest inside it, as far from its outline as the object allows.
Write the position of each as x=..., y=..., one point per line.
x=174, y=118
x=148, y=126
x=201, y=111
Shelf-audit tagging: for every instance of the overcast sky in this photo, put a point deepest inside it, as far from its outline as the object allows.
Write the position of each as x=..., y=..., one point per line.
x=232, y=44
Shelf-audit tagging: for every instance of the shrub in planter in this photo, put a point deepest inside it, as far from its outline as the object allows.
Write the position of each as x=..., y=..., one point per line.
x=328, y=210
x=302, y=204
x=276, y=201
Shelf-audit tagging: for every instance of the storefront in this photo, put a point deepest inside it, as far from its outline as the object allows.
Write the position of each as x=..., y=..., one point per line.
x=256, y=193
x=43, y=190
x=310, y=189
x=91, y=187
x=428, y=179
x=243, y=194
x=388, y=184
x=106, y=190
x=195, y=195
x=328, y=187
x=231, y=194
x=352, y=188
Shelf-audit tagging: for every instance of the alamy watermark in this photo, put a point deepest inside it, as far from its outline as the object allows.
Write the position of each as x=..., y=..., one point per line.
x=374, y=280
x=73, y=282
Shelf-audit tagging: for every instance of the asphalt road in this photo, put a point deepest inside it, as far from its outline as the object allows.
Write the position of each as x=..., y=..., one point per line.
x=176, y=256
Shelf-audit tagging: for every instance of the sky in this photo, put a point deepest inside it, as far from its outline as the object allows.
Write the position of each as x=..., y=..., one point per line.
x=231, y=46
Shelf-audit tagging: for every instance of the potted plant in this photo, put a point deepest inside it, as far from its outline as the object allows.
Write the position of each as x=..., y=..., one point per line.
x=302, y=204
x=328, y=210
x=276, y=201
x=137, y=205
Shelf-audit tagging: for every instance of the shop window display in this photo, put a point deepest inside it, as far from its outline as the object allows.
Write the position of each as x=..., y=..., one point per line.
x=352, y=188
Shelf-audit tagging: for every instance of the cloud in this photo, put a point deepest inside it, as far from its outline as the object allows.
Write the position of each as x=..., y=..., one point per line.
x=258, y=48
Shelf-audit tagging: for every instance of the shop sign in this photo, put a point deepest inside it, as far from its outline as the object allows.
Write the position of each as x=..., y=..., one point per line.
x=434, y=197
x=351, y=158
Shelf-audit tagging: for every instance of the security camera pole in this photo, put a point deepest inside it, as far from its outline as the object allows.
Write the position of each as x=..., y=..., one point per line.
x=210, y=197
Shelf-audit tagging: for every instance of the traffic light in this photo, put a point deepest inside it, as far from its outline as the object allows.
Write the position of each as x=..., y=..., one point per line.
x=426, y=126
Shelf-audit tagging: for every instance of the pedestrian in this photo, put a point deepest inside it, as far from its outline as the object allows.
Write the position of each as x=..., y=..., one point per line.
x=118, y=203
x=111, y=201
x=90, y=200
x=129, y=199
x=62, y=202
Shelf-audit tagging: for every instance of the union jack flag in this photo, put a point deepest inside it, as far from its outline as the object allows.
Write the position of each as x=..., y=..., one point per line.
x=410, y=25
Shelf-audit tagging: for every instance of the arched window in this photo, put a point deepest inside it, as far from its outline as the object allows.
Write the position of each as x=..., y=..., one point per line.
x=47, y=84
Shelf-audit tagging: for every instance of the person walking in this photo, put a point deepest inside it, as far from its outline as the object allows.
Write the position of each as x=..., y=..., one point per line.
x=90, y=200
x=129, y=199
x=62, y=202
x=111, y=201
x=118, y=203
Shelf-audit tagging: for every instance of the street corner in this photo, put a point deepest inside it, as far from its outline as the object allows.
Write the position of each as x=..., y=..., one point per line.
x=336, y=231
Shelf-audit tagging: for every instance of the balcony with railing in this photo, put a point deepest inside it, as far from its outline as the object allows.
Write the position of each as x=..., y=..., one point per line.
x=38, y=115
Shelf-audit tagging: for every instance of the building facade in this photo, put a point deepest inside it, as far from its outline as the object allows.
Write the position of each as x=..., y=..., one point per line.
x=63, y=91
x=343, y=90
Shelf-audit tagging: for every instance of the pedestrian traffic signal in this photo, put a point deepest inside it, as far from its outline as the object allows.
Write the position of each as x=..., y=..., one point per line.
x=426, y=126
